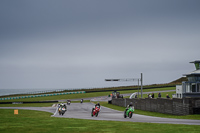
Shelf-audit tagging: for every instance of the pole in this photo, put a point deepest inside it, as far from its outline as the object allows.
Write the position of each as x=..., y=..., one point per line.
x=132, y=79
x=138, y=87
x=125, y=102
x=141, y=85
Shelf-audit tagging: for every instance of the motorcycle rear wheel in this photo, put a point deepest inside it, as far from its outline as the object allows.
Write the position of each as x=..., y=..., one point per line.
x=124, y=114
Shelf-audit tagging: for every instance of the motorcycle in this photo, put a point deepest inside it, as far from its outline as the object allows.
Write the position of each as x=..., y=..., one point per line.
x=68, y=102
x=95, y=111
x=62, y=110
x=129, y=112
x=81, y=100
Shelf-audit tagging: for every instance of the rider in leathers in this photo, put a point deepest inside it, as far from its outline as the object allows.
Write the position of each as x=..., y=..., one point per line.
x=129, y=105
x=98, y=104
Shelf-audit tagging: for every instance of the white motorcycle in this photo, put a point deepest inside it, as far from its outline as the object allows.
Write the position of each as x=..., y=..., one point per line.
x=62, y=109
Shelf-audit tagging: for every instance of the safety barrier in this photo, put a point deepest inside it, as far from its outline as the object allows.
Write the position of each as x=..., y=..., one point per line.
x=174, y=106
x=43, y=95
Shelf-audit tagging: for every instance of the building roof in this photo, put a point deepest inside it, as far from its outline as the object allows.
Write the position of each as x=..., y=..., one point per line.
x=196, y=72
x=196, y=61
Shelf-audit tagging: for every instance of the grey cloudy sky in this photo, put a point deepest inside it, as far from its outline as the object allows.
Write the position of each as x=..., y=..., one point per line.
x=79, y=43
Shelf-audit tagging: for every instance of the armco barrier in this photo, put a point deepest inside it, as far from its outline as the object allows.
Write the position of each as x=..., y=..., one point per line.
x=174, y=106
x=29, y=102
x=43, y=95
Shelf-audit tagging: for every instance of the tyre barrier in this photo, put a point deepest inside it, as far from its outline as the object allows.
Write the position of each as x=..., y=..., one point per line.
x=29, y=102
x=43, y=95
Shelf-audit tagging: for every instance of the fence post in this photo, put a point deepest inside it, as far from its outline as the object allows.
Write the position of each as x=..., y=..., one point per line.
x=125, y=102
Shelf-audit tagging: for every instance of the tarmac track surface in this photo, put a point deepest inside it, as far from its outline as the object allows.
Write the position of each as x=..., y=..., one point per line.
x=83, y=111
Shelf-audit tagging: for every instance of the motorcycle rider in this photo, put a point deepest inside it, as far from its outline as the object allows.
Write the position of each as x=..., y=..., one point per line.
x=62, y=105
x=62, y=108
x=98, y=104
x=68, y=102
x=81, y=100
x=129, y=105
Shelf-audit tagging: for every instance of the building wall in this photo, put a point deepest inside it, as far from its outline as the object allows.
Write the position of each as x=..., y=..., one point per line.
x=179, y=91
x=175, y=106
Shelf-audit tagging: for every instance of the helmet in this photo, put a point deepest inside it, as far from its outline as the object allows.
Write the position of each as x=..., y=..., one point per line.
x=131, y=104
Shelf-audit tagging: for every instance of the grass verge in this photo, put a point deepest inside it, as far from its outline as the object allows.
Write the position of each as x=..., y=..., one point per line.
x=35, y=104
x=36, y=121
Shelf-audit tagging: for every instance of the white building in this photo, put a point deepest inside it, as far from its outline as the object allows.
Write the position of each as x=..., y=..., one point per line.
x=190, y=88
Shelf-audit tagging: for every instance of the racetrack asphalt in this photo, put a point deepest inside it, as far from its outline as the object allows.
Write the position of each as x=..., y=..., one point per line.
x=83, y=111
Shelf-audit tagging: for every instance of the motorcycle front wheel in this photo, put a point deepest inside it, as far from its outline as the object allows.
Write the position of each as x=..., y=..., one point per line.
x=97, y=114
x=92, y=113
x=130, y=114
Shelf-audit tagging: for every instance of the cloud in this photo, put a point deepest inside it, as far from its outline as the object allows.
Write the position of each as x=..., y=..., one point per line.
x=69, y=44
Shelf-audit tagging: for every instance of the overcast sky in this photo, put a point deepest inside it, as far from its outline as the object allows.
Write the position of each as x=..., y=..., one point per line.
x=79, y=43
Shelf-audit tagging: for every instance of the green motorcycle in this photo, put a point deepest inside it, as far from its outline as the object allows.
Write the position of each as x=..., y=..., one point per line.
x=129, y=112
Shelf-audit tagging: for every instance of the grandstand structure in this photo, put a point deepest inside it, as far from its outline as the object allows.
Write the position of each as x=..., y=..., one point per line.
x=190, y=88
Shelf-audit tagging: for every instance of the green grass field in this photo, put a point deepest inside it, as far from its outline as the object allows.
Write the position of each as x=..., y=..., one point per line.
x=28, y=121
x=72, y=96
x=38, y=121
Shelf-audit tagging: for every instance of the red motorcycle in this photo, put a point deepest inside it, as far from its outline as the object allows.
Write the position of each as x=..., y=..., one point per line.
x=95, y=111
